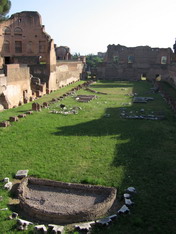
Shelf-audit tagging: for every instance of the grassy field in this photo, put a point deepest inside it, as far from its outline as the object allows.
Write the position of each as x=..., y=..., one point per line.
x=92, y=148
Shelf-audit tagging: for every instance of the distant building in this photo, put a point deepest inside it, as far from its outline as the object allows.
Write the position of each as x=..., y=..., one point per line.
x=132, y=63
x=101, y=54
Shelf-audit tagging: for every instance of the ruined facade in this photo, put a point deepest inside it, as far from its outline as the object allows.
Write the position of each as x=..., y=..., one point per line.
x=132, y=63
x=23, y=40
x=63, y=53
x=15, y=86
x=25, y=47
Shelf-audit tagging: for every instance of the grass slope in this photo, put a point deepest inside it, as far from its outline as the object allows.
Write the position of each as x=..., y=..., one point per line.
x=92, y=148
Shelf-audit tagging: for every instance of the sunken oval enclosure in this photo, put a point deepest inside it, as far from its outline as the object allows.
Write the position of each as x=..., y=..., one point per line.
x=63, y=203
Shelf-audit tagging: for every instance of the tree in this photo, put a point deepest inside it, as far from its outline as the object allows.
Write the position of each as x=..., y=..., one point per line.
x=93, y=60
x=4, y=8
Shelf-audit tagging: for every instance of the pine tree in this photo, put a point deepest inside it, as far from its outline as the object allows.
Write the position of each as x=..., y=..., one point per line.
x=4, y=8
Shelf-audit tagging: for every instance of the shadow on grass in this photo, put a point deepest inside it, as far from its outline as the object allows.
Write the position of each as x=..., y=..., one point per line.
x=148, y=158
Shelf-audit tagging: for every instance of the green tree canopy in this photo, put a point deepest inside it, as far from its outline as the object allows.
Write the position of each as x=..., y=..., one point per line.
x=93, y=60
x=4, y=8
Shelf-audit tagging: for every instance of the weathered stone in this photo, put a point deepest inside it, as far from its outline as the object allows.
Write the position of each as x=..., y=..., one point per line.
x=84, y=226
x=31, y=99
x=22, y=116
x=6, y=180
x=131, y=190
x=126, y=195
x=123, y=210
x=4, y=124
x=24, y=222
x=29, y=112
x=21, y=174
x=13, y=119
x=40, y=228
x=54, y=100
x=36, y=106
x=128, y=202
x=71, y=212
x=105, y=221
x=3, y=209
x=13, y=216
x=56, y=228
x=45, y=104
x=8, y=186
x=112, y=217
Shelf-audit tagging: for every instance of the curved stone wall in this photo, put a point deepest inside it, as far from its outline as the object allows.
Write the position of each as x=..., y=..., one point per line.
x=34, y=206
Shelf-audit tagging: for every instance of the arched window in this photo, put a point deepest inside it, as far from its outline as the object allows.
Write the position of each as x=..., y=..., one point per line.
x=18, y=31
x=6, y=30
x=6, y=46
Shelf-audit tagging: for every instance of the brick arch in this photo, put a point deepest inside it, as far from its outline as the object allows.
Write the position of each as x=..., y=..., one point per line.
x=6, y=30
x=18, y=31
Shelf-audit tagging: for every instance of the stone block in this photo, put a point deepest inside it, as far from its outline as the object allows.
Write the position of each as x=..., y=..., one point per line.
x=6, y=180
x=128, y=202
x=4, y=124
x=8, y=186
x=29, y=112
x=131, y=190
x=40, y=229
x=21, y=174
x=45, y=104
x=123, y=210
x=22, y=116
x=36, y=106
x=56, y=228
x=84, y=226
x=13, y=119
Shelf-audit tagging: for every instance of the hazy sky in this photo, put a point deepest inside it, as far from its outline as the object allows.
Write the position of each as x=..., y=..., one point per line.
x=89, y=26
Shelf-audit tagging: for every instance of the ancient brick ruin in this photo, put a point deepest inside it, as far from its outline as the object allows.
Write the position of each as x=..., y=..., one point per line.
x=28, y=65
x=132, y=63
x=59, y=202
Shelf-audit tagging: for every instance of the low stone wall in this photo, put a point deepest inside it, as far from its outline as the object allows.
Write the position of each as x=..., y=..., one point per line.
x=68, y=72
x=69, y=216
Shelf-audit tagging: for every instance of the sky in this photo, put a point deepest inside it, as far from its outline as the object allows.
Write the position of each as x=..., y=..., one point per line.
x=89, y=26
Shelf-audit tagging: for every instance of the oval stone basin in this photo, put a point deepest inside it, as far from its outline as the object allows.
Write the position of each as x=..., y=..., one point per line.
x=63, y=203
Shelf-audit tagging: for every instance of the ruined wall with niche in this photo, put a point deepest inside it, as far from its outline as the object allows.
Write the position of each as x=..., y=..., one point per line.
x=68, y=72
x=15, y=86
x=129, y=63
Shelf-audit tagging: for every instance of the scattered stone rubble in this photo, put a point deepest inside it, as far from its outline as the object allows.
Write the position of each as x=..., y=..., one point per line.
x=13, y=119
x=23, y=224
x=40, y=229
x=140, y=114
x=56, y=228
x=67, y=111
x=85, y=98
x=38, y=107
x=4, y=124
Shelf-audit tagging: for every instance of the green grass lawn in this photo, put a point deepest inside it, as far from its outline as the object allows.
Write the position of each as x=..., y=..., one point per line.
x=91, y=148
